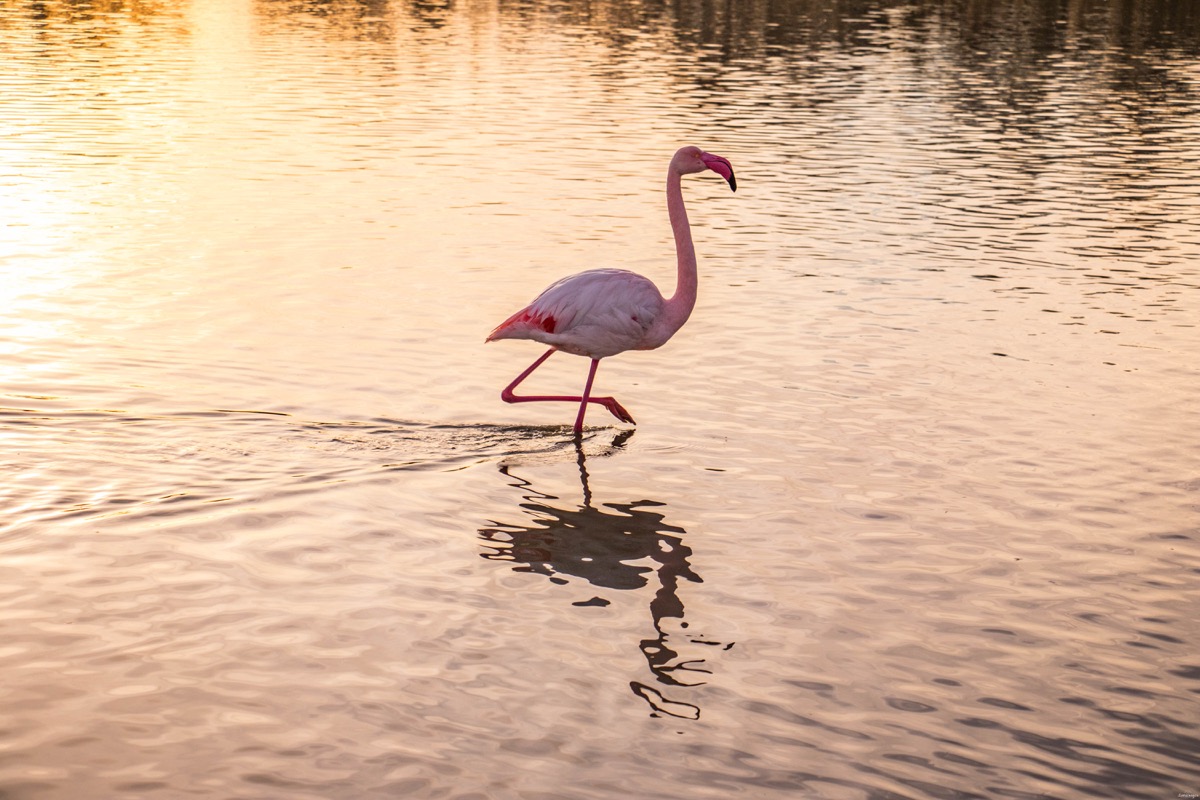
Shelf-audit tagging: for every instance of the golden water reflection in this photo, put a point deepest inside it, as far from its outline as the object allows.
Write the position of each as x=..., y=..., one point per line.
x=929, y=438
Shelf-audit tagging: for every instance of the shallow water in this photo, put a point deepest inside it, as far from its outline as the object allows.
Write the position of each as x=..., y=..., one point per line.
x=911, y=509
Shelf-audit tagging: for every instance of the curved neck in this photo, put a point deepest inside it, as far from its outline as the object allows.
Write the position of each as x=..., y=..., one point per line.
x=680, y=304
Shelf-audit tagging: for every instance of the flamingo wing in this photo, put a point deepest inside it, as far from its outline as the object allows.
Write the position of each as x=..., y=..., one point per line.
x=597, y=313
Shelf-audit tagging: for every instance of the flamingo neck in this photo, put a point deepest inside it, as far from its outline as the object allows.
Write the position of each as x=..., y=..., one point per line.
x=679, y=306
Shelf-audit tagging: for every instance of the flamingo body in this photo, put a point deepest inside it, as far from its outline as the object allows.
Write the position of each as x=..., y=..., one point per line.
x=597, y=314
x=602, y=312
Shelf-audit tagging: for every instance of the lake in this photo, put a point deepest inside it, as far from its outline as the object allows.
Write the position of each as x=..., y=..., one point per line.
x=912, y=505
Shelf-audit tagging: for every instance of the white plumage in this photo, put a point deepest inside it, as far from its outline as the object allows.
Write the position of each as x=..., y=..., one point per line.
x=602, y=312
x=597, y=314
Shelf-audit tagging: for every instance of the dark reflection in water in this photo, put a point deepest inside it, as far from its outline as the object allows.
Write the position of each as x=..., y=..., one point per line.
x=609, y=547
x=1019, y=28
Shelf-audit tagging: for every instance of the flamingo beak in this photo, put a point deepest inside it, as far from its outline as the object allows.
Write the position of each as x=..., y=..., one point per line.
x=721, y=166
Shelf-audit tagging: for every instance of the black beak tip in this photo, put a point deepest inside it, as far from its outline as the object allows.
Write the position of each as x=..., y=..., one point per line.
x=733, y=183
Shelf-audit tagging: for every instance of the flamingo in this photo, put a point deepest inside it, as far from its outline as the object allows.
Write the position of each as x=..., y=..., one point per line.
x=602, y=312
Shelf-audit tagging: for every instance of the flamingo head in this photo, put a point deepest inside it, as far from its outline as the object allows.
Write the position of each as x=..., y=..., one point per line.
x=693, y=159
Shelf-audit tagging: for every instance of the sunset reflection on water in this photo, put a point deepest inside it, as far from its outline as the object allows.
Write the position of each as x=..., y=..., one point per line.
x=910, y=510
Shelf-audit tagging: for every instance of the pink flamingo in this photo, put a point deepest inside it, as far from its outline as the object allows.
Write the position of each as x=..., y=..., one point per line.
x=602, y=312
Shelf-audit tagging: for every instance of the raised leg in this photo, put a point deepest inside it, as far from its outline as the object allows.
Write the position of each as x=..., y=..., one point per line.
x=610, y=403
x=507, y=393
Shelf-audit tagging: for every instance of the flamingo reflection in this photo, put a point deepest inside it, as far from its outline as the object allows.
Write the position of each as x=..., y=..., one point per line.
x=617, y=546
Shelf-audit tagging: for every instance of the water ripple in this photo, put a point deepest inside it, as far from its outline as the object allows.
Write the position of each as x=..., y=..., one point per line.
x=911, y=508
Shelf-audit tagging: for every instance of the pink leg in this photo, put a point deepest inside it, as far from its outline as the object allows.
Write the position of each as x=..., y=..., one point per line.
x=608, y=402
x=587, y=391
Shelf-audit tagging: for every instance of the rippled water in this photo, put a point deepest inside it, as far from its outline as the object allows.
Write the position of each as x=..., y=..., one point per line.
x=912, y=508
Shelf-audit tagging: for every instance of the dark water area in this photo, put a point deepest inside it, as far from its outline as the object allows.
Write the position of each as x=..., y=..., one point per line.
x=912, y=507
x=1025, y=30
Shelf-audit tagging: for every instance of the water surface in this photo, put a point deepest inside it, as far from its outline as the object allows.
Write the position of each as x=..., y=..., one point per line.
x=911, y=510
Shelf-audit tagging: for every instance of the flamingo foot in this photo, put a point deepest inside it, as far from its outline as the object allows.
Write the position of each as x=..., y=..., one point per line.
x=616, y=409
